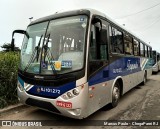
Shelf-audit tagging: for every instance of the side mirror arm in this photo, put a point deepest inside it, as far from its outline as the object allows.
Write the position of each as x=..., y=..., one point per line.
x=20, y=32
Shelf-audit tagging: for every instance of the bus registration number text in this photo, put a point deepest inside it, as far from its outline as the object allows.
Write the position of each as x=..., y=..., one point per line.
x=49, y=90
x=64, y=104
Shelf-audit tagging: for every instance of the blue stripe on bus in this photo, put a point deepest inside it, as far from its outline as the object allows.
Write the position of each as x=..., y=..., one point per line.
x=49, y=91
x=120, y=67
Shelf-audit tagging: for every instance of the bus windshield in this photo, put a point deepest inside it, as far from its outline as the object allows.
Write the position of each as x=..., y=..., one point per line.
x=54, y=47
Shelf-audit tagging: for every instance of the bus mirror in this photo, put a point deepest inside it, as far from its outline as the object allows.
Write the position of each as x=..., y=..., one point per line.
x=12, y=44
x=97, y=21
x=20, y=32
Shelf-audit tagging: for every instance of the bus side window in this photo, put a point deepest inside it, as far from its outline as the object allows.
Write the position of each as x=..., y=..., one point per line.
x=98, y=53
x=149, y=54
x=146, y=51
x=116, y=39
x=150, y=49
x=128, y=46
x=142, y=49
x=136, y=47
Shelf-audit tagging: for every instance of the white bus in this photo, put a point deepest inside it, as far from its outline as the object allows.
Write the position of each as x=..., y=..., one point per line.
x=74, y=63
x=155, y=61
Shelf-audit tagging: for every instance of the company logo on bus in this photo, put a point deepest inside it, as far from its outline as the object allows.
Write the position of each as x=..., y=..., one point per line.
x=64, y=104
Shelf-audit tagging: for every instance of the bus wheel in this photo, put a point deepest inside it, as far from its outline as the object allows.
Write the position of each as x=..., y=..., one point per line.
x=144, y=79
x=115, y=95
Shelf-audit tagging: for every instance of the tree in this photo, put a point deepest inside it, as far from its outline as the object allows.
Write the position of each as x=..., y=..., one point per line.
x=9, y=47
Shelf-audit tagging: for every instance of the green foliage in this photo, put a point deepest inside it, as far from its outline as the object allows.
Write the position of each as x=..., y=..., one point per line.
x=7, y=47
x=8, y=78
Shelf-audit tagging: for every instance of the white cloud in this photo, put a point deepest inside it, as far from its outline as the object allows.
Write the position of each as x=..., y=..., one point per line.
x=15, y=15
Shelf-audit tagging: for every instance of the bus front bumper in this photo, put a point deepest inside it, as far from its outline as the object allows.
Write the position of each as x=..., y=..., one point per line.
x=74, y=107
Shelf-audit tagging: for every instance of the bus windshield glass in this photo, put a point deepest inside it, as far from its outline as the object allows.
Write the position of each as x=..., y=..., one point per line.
x=56, y=49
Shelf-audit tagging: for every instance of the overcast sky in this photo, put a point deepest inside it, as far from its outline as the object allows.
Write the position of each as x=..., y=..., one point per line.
x=142, y=17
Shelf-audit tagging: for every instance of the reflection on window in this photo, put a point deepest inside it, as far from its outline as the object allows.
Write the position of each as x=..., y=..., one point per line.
x=128, y=46
x=30, y=54
x=98, y=51
x=150, y=50
x=67, y=41
x=60, y=48
x=116, y=38
x=136, y=47
x=142, y=49
x=98, y=48
x=146, y=51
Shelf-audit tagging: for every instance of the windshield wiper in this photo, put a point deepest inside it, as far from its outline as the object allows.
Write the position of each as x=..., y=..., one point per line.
x=50, y=57
x=46, y=47
x=38, y=49
x=32, y=59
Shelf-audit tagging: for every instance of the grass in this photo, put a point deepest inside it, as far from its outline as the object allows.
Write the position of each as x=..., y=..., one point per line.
x=8, y=78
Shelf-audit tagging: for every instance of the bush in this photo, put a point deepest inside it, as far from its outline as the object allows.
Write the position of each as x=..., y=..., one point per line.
x=8, y=78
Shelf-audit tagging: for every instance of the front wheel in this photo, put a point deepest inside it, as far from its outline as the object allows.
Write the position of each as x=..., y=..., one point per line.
x=115, y=95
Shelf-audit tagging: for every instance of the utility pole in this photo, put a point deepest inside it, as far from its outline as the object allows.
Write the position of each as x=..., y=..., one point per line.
x=31, y=18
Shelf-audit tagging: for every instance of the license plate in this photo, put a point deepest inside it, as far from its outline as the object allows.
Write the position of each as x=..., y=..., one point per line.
x=64, y=104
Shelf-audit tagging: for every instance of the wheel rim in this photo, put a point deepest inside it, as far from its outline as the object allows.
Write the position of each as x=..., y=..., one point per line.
x=116, y=94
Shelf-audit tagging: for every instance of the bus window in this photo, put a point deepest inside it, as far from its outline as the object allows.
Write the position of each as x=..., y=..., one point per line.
x=136, y=47
x=149, y=52
x=116, y=38
x=98, y=46
x=128, y=46
x=142, y=49
x=146, y=51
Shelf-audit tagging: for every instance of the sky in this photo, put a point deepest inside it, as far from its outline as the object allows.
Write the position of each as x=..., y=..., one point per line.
x=142, y=17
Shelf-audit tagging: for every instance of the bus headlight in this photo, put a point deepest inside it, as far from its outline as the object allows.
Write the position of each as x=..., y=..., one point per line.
x=75, y=91
x=69, y=94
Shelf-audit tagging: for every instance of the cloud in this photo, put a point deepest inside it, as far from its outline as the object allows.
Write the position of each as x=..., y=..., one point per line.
x=15, y=15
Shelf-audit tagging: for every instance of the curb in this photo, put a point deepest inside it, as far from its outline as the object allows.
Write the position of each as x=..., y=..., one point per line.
x=13, y=108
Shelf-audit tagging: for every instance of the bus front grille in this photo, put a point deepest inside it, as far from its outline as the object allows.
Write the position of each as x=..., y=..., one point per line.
x=42, y=104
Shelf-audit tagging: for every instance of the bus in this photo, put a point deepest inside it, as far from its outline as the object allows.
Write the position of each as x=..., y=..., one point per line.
x=74, y=63
x=155, y=61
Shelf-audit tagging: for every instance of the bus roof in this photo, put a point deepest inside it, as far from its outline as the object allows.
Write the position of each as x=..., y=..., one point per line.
x=88, y=12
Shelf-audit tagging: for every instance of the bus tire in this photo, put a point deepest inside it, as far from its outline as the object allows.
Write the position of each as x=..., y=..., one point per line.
x=144, y=78
x=115, y=95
